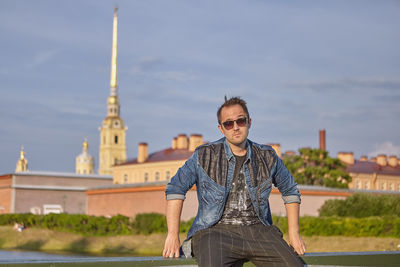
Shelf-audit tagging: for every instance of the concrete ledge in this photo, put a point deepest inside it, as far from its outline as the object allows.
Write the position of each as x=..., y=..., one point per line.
x=30, y=259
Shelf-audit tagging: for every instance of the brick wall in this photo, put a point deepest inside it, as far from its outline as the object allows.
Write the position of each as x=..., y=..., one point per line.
x=5, y=193
x=130, y=201
x=70, y=201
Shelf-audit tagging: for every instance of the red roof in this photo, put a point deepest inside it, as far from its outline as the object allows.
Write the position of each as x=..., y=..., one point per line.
x=164, y=155
x=372, y=167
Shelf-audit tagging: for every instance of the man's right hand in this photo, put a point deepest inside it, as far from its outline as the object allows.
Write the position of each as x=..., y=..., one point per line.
x=171, y=246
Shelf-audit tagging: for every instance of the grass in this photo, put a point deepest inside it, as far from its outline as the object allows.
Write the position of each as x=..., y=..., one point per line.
x=151, y=245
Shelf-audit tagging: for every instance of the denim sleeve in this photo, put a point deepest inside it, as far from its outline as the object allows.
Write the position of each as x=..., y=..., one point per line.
x=183, y=180
x=284, y=181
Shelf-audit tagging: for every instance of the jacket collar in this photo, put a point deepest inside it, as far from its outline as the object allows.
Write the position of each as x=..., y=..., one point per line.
x=229, y=154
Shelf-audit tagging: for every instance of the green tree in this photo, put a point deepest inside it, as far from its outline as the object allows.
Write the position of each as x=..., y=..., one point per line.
x=315, y=167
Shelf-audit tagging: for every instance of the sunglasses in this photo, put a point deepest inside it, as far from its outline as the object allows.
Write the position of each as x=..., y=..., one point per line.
x=241, y=122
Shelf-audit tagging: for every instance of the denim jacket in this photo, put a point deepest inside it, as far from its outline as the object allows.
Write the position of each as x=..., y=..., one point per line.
x=211, y=169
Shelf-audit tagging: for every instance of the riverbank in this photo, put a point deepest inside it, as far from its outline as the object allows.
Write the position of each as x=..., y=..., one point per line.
x=151, y=245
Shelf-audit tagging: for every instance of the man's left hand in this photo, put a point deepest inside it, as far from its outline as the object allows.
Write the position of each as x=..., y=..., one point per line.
x=297, y=243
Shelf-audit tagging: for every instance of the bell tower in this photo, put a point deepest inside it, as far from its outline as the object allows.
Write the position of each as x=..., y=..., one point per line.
x=112, y=131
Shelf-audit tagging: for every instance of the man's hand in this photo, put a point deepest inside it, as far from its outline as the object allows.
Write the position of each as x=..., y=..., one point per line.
x=171, y=246
x=296, y=242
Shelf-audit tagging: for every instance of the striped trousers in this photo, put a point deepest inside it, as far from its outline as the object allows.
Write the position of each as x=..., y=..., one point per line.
x=233, y=245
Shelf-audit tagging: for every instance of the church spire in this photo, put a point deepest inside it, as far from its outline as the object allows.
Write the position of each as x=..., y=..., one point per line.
x=22, y=163
x=113, y=80
x=112, y=131
x=113, y=101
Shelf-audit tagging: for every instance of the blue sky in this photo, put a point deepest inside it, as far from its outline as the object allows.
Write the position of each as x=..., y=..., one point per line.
x=301, y=66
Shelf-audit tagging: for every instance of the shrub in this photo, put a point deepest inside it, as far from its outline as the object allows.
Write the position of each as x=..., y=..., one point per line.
x=345, y=226
x=361, y=205
x=185, y=226
x=387, y=226
x=147, y=223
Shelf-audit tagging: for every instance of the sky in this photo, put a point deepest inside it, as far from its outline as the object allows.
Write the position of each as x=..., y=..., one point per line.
x=301, y=66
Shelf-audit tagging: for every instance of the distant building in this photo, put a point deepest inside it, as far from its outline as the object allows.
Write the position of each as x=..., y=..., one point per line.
x=45, y=192
x=380, y=173
x=158, y=166
x=112, y=131
x=84, y=163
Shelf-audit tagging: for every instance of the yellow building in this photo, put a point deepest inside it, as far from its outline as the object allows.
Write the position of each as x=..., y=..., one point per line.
x=112, y=131
x=380, y=173
x=22, y=163
x=84, y=163
x=158, y=166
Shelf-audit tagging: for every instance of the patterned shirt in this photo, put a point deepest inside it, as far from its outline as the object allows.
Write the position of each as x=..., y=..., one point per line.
x=239, y=209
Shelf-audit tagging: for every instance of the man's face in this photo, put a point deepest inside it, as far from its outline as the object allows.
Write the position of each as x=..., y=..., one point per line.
x=237, y=135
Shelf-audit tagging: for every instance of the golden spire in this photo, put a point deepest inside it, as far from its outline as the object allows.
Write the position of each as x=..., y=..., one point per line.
x=85, y=145
x=113, y=81
x=22, y=163
x=22, y=156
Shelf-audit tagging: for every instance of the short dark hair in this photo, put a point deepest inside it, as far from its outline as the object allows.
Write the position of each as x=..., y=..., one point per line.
x=236, y=100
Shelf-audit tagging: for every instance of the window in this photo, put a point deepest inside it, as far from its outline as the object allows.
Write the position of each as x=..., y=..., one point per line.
x=116, y=139
x=167, y=175
x=391, y=186
x=146, y=176
x=383, y=186
x=115, y=161
x=157, y=175
x=125, y=178
x=358, y=184
x=367, y=185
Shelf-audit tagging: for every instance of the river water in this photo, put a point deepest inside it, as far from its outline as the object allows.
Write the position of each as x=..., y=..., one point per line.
x=26, y=257
x=8, y=256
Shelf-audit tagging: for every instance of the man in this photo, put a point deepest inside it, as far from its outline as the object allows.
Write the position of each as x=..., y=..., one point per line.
x=233, y=178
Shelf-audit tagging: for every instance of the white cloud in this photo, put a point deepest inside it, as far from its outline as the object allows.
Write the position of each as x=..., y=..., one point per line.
x=387, y=148
x=42, y=57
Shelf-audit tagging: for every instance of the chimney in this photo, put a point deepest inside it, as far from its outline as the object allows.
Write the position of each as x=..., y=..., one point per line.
x=346, y=157
x=277, y=148
x=142, y=152
x=174, y=143
x=195, y=140
x=182, y=142
x=322, y=140
x=393, y=162
x=381, y=160
x=363, y=158
x=290, y=153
